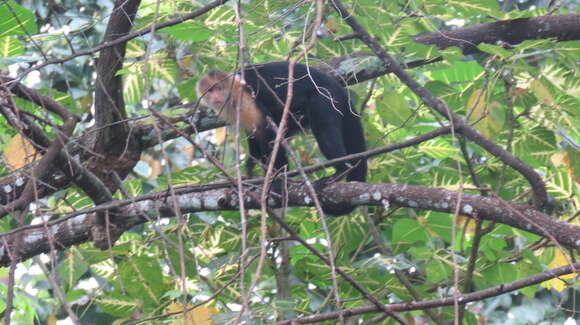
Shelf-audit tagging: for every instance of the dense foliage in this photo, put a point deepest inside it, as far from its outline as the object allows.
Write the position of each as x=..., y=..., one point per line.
x=524, y=97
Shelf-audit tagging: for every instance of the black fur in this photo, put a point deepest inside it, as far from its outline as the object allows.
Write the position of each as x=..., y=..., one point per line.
x=320, y=103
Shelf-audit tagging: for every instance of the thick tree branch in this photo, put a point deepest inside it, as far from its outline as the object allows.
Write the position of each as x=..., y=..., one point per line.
x=75, y=230
x=559, y=27
x=360, y=66
x=110, y=112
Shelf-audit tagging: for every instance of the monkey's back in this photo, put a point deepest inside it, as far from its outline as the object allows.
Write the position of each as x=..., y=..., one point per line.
x=308, y=82
x=320, y=103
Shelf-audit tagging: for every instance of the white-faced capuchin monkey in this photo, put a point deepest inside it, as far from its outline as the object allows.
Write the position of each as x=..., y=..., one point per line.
x=319, y=103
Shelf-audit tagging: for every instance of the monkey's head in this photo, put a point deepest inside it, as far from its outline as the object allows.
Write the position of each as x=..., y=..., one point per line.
x=223, y=92
x=215, y=89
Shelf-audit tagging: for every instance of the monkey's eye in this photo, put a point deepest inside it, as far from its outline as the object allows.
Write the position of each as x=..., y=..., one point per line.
x=214, y=88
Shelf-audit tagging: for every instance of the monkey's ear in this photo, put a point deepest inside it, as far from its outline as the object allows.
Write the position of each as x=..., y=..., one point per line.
x=238, y=78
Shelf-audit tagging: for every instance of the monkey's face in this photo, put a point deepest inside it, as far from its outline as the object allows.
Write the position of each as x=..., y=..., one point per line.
x=223, y=92
x=216, y=96
x=215, y=90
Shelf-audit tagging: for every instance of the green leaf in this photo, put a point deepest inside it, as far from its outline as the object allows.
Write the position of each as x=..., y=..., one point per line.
x=189, y=31
x=526, y=268
x=93, y=255
x=533, y=44
x=187, y=90
x=440, y=89
x=16, y=20
x=495, y=49
x=439, y=149
x=72, y=268
x=347, y=233
x=460, y=71
x=10, y=46
x=133, y=85
x=393, y=108
x=440, y=223
x=536, y=146
x=487, y=116
x=73, y=295
x=175, y=258
x=186, y=176
x=419, y=51
x=134, y=80
x=452, y=55
x=562, y=186
x=499, y=273
x=570, y=49
x=143, y=279
x=493, y=247
x=421, y=252
x=118, y=304
x=573, y=163
x=437, y=270
x=476, y=7
x=409, y=231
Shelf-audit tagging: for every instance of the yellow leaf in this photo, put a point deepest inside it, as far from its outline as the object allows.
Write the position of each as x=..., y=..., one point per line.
x=52, y=320
x=86, y=102
x=187, y=66
x=19, y=153
x=477, y=106
x=488, y=116
x=154, y=165
x=331, y=25
x=558, y=283
x=571, y=168
x=462, y=220
x=198, y=316
x=541, y=92
x=220, y=135
x=557, y=159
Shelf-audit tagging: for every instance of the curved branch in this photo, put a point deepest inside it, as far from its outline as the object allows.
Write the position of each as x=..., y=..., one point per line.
x=52, y=153
x=74, y=229
x=358, y=67
x=447, y=301
x=57, y=179
x=540, y=195
x=515, y=31
x=110, y=115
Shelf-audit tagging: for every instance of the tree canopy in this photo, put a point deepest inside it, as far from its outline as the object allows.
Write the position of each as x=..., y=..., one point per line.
x=123, y=200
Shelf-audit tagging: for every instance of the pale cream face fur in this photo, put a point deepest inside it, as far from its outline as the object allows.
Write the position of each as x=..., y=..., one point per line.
x=221, y=91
